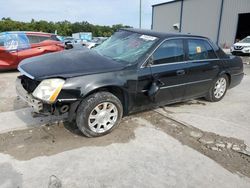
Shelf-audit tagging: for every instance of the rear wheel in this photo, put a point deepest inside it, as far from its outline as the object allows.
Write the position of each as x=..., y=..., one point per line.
x=219, y=89
x=99, y=114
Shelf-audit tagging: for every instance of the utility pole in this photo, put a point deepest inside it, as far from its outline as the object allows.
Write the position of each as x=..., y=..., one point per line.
x=140, y=15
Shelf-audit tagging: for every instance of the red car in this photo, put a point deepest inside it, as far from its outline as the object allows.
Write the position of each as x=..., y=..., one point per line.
x=16, y=46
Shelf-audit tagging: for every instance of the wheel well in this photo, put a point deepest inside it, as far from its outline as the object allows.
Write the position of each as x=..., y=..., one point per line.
x=118, y=92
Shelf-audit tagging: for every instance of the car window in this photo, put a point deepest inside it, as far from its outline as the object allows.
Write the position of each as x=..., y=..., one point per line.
x=43, y=38
x=2, y=39
x=170, y=51
x=14, y=41
x=11, y=42
x=69, y=38
x=23, y=41
x=33, y=39
x=200, y=50
x=55, y=38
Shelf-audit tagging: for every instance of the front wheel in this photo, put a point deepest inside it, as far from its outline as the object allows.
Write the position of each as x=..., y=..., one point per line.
x=99, y=114
x=218, y=90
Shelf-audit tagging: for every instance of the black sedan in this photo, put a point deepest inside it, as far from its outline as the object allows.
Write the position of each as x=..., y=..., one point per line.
x=132, y=71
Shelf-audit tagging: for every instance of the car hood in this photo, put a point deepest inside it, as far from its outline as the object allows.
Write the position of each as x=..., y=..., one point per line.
x=68, y=63
x=241, y=44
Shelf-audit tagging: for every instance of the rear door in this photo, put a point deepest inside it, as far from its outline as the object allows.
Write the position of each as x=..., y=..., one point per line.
x=35, y=49
x=169, y=71
x=203, y=66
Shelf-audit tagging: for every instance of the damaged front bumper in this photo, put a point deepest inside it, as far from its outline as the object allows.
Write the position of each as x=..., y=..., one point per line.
x=37, y=105
x=41, y=108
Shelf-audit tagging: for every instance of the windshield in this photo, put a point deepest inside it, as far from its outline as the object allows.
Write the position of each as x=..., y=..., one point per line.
x=245, y=40
x=125, y=46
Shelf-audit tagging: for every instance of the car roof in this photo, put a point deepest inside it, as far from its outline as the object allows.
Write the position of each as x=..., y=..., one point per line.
x=160, y=35
x=27, y=32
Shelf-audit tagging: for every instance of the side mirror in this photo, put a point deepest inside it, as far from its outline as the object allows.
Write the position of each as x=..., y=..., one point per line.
x=68, y=45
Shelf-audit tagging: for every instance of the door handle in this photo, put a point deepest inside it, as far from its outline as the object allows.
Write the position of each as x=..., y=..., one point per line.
x=156, y=78
x=180, y=72
x=160, y=83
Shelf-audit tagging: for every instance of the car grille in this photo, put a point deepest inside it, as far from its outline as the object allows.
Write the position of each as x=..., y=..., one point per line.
x=28, y=84
x=238, y=47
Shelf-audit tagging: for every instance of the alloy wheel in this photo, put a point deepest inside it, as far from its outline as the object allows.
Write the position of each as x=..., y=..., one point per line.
x=103, y=117
x=220, y=88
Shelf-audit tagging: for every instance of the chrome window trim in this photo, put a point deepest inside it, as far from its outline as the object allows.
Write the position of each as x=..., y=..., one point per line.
x=181, y=62
x=174, y=38
x=164, y=64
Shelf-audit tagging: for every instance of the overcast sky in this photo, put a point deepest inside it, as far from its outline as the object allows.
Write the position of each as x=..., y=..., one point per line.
x=102, y=12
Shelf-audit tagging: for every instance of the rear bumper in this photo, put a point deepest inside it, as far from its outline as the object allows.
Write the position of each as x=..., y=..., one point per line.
x=37, y=105
x=236, y=79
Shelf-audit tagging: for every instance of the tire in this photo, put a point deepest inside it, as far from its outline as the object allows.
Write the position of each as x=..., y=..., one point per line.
x=99, y=114
x=216, y=93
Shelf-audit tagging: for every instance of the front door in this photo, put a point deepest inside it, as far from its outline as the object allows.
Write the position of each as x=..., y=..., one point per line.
x=8, y=51
x=144, y=81
x=169, y=70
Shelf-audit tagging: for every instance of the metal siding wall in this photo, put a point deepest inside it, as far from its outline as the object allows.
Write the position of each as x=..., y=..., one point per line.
x=229, y=20
x=165, y=16
x=201, y=17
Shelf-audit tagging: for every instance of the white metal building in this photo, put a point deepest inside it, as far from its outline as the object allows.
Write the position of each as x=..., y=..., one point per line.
x=223, y=21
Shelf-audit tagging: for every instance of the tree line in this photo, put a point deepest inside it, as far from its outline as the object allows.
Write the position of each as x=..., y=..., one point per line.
x=63, y=28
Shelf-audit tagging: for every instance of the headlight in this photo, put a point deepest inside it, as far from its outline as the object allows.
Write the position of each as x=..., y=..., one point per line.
x=49, y=89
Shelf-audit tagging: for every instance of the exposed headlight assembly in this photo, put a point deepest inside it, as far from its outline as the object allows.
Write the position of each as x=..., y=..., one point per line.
x=49, y=89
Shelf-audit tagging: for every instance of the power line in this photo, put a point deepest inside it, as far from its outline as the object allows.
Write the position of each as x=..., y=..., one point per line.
x=140, y=15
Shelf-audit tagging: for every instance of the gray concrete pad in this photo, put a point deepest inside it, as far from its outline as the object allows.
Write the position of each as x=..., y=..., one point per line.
x=7, y=84
x=8, y=97
x=150, y=159
x=23, y=119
